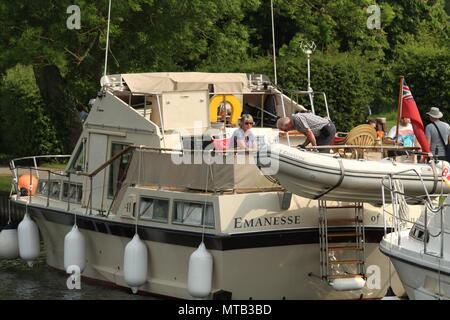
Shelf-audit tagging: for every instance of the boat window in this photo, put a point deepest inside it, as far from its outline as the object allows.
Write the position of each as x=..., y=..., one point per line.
x=42, y=187
x=72, y=192
x=79, y=159
x=194, y=213
x=154, y=209
x=55, y=188
x=261, y=142
x=117, y=170
x=418, y=233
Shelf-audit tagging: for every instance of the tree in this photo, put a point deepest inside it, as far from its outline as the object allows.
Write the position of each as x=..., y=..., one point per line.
x=31, y=131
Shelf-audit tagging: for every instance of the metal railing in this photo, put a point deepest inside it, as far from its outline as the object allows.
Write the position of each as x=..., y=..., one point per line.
x=399, y=223
x=161, y=116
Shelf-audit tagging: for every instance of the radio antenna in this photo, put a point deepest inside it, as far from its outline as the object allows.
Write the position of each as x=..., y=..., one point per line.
x=107, y=43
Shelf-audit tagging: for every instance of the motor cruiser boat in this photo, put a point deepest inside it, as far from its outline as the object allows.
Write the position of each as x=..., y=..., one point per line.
x=147, y=202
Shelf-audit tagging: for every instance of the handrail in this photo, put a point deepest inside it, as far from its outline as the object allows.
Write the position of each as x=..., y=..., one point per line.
x=43, y=156
x=349, y=146
x=12, y=166
x=426, y=202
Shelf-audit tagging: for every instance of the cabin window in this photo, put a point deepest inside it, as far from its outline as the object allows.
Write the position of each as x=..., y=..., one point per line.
x=418, y=234
x=79, y=159
x=261, y=142
x=55, y=188
x=194, y=213
x=154, y=209
x=117, y=170
x=42, y=187
x=72, y=192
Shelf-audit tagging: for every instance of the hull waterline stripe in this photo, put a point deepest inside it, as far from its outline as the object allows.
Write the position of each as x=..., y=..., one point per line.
x=244, y=240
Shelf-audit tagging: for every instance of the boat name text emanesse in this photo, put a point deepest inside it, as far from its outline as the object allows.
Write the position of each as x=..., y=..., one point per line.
x=239, y=222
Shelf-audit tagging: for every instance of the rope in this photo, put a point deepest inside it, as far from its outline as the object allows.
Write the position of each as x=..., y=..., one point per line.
x=139, y=182
x=436, y=178
x=208, y=168
x=341, y=165
x=403, y=211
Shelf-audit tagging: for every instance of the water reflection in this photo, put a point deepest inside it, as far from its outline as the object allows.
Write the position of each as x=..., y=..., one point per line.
x=19, y=282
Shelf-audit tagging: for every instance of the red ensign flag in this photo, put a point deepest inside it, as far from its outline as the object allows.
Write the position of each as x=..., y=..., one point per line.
x=409, y=110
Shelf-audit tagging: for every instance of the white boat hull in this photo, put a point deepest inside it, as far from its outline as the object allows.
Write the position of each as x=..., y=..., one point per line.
x=267, y=272
x=318, y=176
x=424, y=276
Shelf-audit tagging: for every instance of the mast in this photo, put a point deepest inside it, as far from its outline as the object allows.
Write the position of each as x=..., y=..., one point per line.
x=107, y=43
x=273, y=45
x=308, y=48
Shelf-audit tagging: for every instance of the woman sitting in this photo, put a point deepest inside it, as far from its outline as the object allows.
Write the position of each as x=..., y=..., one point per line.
x=243, y=138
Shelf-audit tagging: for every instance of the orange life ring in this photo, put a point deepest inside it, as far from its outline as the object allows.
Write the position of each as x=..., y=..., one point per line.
x=24, y=184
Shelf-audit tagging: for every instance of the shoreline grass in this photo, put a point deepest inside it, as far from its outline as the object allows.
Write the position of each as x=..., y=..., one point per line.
x=5, y=182
x=391, y=118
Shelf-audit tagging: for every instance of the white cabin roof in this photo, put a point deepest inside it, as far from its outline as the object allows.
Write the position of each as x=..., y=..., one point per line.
x=183, y=81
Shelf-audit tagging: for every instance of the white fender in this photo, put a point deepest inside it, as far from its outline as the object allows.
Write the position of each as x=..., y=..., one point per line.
x=200, y=272
x=28, y=235
x=74, y=249
x=135, y=264
x=9, y=243
x=348, y=284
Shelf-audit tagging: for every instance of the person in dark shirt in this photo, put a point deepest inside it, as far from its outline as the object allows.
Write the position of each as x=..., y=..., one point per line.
x=319, y=131
x=434, y=131
x=83, y=114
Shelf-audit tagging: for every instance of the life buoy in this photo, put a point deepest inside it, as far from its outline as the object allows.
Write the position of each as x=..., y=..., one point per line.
x=25, y=186
x=236, y=107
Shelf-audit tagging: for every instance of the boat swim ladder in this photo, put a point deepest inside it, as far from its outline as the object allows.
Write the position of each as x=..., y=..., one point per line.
x=348, y=245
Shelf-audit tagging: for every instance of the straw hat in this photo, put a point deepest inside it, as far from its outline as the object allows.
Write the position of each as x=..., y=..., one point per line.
x=435, y=113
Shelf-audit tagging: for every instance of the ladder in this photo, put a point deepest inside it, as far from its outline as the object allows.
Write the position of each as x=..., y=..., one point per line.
x=345, y=240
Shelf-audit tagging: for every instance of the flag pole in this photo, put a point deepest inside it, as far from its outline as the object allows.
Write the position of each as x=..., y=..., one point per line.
x=399, y=108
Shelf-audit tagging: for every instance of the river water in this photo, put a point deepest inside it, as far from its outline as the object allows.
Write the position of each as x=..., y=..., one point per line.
x=20, y=282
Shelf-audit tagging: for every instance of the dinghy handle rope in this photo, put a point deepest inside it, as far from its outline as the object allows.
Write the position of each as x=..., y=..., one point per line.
x=426, y=201
x=341, y=165
x=137, y=211
x=208, y=168
x=435, y=176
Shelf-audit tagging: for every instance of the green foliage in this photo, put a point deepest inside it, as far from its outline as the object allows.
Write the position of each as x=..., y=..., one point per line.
x=4, y=158
x=355, y=66
x=27, y=129
x=427, y=73
x=347, y=79
x=391, y=118
x=5, y=182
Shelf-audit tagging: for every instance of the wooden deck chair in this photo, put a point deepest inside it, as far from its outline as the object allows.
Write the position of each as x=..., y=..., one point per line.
x=362, y=135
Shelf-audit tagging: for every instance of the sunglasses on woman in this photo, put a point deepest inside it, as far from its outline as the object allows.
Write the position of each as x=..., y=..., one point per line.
x=249, y=123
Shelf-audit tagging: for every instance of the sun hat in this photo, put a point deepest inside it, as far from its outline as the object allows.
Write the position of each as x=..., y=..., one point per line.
x=435, y=113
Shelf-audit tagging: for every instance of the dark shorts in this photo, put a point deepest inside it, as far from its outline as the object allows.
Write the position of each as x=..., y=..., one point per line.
x=326, y=136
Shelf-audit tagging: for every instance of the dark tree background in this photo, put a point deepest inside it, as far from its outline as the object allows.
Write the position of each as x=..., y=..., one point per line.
x=47, y=69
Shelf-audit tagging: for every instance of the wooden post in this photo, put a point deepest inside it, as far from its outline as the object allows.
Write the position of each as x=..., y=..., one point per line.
x=399, y=107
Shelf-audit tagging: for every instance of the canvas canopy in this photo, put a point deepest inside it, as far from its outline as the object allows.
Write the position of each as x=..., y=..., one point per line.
x=186, y=81
x=154, y=168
